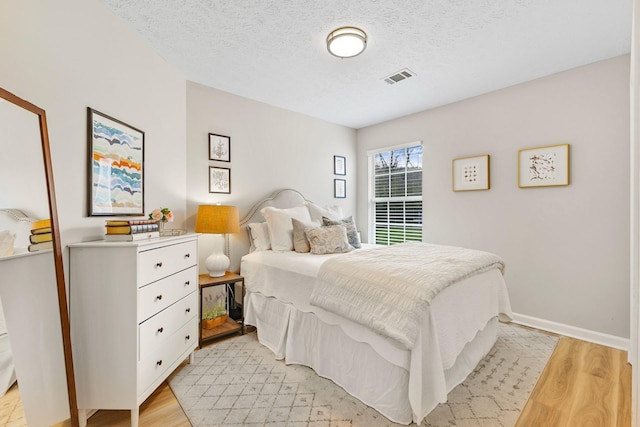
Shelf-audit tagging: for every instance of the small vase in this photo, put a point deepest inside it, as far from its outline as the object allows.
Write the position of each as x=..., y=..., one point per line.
x=161, y=224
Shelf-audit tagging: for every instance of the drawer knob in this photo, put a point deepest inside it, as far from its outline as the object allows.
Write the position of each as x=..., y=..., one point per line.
x=187, y=283
x=188, y=310
x=159, y=264
x=159, y=297
x=188, y=337
x=159, y=363
x=187, y=255
x=160, y=329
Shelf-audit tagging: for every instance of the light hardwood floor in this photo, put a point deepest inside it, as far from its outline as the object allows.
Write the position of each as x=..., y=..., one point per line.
x=582, y=385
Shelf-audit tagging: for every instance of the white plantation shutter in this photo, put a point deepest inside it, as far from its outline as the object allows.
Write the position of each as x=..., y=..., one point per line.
x=395, y=177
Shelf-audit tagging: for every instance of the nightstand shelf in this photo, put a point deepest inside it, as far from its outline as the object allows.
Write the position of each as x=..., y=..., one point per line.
x=231, y=326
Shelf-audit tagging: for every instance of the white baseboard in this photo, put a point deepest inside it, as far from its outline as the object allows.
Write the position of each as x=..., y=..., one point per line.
x=573, y=332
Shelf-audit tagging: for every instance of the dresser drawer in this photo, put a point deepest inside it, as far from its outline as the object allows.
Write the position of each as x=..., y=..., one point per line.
x=154, y=364
x=159, y=295
x=162, y=262
x=159, y=328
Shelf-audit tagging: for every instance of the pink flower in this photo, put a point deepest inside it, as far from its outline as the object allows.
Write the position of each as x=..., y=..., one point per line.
x=156, y=214
x=169, y=216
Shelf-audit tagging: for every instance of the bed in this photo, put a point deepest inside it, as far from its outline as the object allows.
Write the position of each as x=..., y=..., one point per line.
x=403, y=382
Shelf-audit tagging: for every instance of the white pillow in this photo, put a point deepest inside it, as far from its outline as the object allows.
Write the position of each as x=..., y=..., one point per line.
x=259, y=235
x=333, y=212
x=6, y=243
x=280, y=226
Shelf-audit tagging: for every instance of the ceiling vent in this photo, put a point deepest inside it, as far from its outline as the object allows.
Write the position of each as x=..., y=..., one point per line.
x=399, y=76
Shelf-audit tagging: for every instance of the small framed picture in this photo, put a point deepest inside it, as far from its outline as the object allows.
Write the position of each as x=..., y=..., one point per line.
x=339, y=165
x=219, y=147
x=340, y=188
x=543, y=166
x=471, y=173
x=219, y=180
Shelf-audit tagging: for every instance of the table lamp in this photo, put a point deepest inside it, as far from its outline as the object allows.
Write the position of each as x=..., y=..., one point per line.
x=217, y=219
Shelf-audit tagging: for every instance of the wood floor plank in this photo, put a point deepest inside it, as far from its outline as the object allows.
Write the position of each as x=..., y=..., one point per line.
x=160, y=409
x=584, y=385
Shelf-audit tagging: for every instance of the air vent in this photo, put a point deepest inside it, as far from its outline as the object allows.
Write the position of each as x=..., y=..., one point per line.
x=399, y=76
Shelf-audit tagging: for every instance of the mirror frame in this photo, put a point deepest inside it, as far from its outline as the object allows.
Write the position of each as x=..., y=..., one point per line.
x=57, y=250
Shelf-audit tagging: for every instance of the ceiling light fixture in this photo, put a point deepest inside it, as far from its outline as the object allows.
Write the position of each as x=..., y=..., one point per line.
x=346, y=42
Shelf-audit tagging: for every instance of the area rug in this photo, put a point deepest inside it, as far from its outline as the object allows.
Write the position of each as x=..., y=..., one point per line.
x=238, y=382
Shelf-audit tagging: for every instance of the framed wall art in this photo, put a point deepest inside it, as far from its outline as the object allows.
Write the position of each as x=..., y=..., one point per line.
x=339, y=188
x=116, y=166
x=219, y=180
x=219, y=147
x=471, y=173
x=543, y=166
x=339, y=165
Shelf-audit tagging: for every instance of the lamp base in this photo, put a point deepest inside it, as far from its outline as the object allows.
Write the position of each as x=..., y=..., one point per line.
x=217, y=264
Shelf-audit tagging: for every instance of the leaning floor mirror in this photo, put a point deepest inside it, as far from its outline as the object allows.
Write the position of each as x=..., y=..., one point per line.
x=35, y=343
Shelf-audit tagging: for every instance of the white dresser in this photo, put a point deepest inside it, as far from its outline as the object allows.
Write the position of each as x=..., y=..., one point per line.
x=134, y=318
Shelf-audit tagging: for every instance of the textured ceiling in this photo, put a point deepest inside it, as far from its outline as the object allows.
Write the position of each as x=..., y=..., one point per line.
x=274, y=51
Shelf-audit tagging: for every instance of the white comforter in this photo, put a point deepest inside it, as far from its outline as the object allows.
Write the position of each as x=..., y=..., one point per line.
x=452, y=320
x=388, y=289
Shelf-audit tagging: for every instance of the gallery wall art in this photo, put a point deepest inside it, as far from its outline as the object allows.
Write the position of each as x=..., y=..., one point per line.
x=543, y=166
x=471, y=173
x=116, y=166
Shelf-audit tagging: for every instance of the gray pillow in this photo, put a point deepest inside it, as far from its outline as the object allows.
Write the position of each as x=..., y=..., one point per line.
x=328, y=240
x=300, y=241
x=352, y=232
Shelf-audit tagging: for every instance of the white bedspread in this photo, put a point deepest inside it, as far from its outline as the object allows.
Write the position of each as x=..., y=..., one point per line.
x=453, y=319
x=388, y=289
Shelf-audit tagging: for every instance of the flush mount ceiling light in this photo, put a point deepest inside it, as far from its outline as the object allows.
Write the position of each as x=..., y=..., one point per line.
x=346, y=42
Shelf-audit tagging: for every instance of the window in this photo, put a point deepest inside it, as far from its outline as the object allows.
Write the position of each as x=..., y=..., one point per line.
x=395, y=189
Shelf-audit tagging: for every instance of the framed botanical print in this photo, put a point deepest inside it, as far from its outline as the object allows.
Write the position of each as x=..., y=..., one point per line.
x=219, y=147
x=219, y=180
x=339, y=188
x=339, y=165
x=115, y=166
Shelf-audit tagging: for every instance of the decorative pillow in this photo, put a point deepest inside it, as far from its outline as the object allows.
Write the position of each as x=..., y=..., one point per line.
x=332, y=212
x=328, y=240
x=259, y=235
x=352, y=232
x=280, y=226
x=300, y=241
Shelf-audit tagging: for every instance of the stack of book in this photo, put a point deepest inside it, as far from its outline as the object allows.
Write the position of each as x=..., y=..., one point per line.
x=130, y=230
x=40, y=237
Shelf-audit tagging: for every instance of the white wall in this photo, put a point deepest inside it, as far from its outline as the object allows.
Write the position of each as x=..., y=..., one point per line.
x=566, y=248
x=67, y=55
x=271, y=148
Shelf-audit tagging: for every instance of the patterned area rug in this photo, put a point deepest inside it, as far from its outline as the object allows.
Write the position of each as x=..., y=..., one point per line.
x=238, y=382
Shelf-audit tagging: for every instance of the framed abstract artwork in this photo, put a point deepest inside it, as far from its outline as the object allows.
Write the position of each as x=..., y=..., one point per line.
x=543, y=166
x=339, y=165
x=116, y=166
x=219, y=148
x=219, y=180
x=339, y=188
x=471, y=173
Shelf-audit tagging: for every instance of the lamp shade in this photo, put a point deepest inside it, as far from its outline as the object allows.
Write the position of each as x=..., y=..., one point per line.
x=217, y=219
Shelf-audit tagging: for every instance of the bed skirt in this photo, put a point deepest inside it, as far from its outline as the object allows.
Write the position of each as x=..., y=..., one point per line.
x=303, y=338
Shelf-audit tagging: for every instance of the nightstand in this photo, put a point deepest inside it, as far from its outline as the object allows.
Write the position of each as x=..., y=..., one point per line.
x=231, y=326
